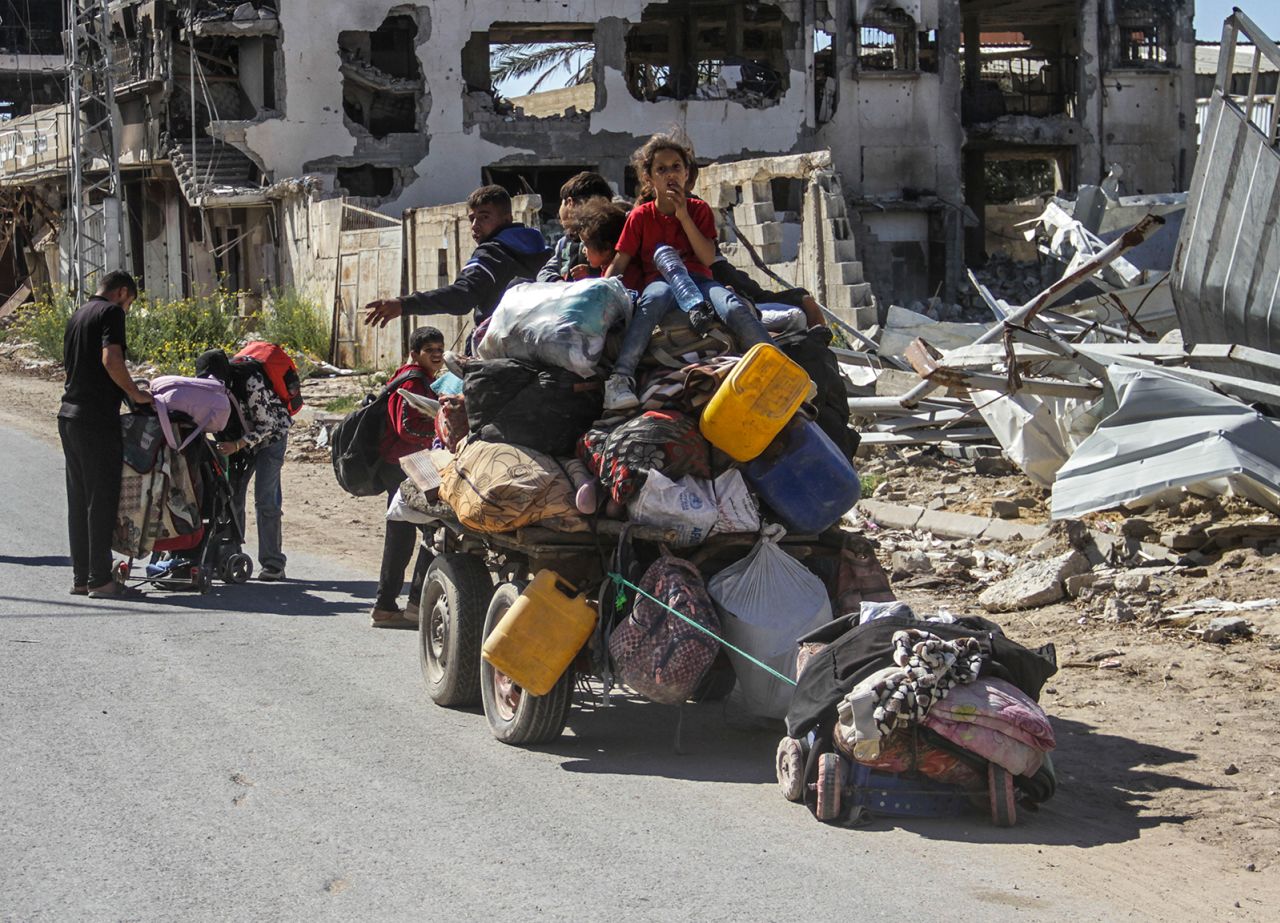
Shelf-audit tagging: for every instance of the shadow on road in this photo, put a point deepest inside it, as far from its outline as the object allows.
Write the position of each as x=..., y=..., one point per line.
x=1104, y=784
x=45, y=560
x=635, y=737
x=291, y=598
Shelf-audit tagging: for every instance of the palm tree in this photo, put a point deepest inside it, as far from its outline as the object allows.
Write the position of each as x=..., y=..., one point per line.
x=514, y=61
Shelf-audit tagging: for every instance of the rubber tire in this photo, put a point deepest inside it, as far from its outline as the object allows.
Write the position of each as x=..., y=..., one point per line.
x=203, y=579
x=830, y=787
x=462, y=584
x=237, y=568
x=538, y=719
x=1004, y=810
x=790, y=768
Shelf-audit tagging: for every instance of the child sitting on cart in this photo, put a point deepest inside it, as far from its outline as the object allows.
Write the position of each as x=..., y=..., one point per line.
x=667, y=215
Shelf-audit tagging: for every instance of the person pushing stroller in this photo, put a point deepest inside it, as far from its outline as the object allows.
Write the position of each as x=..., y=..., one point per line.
x=257, y=448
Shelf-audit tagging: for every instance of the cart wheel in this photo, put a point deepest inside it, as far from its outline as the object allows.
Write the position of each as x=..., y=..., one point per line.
x=1004, y=812
x=830, y=786
x=450, y=620
x=517, y=717
x=238, y=568
x=790, y=764
x=202, y=578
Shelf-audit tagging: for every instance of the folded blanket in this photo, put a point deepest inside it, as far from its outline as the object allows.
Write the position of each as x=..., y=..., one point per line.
x=997, y=721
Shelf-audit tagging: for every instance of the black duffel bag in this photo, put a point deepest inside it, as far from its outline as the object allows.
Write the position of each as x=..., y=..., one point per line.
x=813, y=354
x=518, y=403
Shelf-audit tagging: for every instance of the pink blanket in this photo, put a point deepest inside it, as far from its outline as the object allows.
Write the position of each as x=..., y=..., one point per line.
x=997, y=721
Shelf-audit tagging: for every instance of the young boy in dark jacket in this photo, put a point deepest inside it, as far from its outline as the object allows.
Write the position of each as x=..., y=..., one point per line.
x=581, y=190
x=505, y=250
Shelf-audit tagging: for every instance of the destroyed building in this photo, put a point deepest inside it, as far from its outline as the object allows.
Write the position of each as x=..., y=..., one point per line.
x=236, y=122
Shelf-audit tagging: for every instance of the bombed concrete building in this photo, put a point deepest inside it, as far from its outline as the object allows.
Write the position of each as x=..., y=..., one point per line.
x=252, y=137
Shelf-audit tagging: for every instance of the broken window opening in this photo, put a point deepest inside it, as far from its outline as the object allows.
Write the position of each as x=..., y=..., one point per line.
x=1019, y=73
x=367, y=181
x=382, y=83
x=135, y=59
x=927, y=51
x=1017, y=178
x=721, y=50
x=825, y=84
x=1143, y=43
x=542, y=70
x=887, y=41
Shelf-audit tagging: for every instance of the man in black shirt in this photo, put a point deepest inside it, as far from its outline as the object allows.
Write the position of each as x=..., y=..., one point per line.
x=93, y=351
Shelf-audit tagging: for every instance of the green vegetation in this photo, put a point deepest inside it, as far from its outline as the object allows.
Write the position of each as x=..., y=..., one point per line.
x=293, y=320
x=43, y=324
x=344, y=404
x=168, y=335
x=870, y=482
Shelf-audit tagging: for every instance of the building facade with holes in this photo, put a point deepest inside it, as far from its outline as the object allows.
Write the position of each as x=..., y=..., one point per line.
x=237, y=121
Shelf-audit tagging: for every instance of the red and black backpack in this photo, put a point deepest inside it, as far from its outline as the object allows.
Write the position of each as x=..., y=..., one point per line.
x=278, y=369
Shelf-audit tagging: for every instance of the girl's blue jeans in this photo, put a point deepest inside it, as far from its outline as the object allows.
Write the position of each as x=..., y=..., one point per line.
x=657, y=300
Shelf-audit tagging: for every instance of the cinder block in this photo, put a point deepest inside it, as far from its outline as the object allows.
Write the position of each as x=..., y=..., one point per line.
x=761, y=234
x=753, y=213
x=846, y=273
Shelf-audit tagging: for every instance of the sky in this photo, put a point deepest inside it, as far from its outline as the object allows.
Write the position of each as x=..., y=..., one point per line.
x=1210, y=13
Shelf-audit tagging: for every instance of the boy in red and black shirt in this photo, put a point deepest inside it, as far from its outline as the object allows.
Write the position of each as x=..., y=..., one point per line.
x=408, y=430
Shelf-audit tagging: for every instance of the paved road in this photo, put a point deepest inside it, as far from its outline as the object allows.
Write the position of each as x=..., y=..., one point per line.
x=261, y=754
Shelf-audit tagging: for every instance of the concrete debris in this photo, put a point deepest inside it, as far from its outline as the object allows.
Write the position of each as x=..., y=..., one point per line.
x=911, y=562
x=1117, y=610
x=1034, y=585
x=1225, y=628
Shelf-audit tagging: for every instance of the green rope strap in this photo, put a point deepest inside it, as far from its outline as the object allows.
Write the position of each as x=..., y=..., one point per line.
x=623, y=581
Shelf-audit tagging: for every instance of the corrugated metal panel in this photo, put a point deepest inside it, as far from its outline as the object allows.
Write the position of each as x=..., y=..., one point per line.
x=369, y=267
x=1226, y=270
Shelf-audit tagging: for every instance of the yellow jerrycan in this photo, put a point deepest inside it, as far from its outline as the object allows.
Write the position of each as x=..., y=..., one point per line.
x=754, y=403
x=536, y=641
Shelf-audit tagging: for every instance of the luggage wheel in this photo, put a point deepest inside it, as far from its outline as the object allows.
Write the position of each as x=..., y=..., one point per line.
x=790, y=767
x=830, y=786
x=1004, y=812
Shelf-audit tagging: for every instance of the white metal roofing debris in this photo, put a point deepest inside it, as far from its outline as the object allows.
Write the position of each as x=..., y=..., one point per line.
x=1168, y=434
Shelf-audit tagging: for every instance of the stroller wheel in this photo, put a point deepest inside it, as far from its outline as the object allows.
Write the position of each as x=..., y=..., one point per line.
x=238, y=568
x=790, y=766
x=202, y=579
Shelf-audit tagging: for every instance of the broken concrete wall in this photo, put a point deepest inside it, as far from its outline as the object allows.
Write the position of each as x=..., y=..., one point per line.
x=812, y=247
x=1148, y=94
x=314, y=134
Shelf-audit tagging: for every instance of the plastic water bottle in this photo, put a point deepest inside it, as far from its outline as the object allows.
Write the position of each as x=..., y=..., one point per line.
x=688, y=295
x=677, y=276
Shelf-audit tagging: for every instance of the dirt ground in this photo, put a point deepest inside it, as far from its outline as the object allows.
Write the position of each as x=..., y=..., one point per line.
x=1168, y=748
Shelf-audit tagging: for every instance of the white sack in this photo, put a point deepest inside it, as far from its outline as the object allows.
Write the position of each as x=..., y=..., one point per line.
x=557, y=324
x=769, y=600
x=686, y=508
x=735, y=507
x=399, y=511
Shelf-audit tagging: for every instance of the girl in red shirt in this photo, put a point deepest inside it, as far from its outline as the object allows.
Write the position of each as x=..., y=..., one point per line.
x=666, y=169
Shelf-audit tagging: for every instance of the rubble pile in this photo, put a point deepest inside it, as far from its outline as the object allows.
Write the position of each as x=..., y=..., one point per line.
x=1098, y=401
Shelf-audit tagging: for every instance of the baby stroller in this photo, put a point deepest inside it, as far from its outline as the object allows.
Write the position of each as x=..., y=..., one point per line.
x=191, y=561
